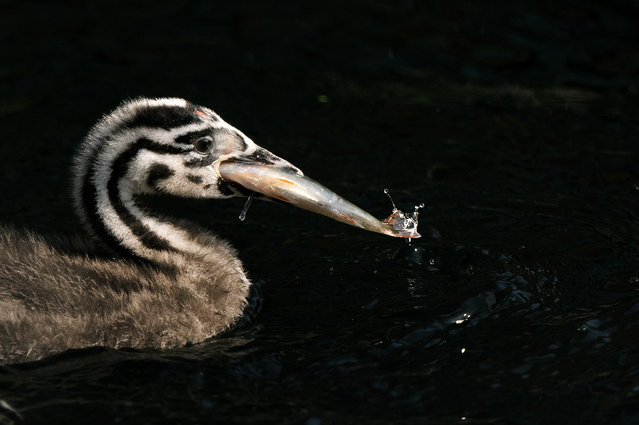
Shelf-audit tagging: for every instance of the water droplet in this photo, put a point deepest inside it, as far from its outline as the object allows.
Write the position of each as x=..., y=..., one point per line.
x=247, y=204
x=386, y=191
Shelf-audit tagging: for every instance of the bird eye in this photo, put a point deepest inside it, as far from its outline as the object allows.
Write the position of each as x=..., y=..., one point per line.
x=203, y=145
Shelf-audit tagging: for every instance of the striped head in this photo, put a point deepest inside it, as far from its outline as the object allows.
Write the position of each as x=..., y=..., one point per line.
x=165, y=145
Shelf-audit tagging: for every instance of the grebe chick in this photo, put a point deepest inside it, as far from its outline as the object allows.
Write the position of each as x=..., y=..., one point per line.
x=163, y=283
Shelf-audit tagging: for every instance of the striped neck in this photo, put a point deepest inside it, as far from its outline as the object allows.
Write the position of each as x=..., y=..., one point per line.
x=107, y=204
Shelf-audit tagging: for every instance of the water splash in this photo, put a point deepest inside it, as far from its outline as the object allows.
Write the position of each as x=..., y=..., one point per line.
x=387, y=192
x=247, y=204
x=404, y=224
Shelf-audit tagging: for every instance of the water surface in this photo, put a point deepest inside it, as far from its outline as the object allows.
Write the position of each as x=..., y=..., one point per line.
x=515, y=125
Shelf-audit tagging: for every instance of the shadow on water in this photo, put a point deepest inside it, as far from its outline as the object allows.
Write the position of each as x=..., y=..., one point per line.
x=516, y=126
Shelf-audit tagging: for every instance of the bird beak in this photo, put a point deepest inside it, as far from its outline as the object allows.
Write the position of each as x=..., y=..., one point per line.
x=269, y=175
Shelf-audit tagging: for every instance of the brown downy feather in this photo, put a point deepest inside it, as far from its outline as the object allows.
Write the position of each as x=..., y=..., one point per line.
x=58, y=293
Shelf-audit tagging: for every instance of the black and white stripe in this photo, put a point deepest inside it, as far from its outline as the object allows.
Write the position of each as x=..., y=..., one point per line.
x=150, y=139
x=166, y=117
x=91, y=198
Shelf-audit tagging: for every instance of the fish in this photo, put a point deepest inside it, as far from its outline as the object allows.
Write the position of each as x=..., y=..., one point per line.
x=289, y=185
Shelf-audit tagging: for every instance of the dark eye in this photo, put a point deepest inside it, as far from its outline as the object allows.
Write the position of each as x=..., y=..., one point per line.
x=203, y=145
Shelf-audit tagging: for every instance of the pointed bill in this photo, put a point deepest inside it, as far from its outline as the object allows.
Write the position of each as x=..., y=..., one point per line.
x=288, y=184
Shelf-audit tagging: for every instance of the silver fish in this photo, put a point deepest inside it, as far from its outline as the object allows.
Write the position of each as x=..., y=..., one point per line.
x=288, y=184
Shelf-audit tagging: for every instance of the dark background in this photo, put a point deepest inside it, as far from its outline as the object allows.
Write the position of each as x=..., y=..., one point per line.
x=515, y=122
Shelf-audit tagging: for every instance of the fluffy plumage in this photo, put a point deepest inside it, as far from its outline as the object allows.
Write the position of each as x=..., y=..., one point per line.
x=62, y=293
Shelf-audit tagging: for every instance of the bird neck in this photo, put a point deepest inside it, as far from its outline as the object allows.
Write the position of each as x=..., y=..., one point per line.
x=136, y=230
x=106, y=201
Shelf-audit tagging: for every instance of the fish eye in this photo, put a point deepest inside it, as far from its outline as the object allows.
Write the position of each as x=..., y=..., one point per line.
x=203, y=145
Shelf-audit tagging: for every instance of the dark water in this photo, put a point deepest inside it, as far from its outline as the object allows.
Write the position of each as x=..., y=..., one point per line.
x=517, y=125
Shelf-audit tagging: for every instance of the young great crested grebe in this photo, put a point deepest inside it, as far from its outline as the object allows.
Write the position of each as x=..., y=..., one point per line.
x=169, y=283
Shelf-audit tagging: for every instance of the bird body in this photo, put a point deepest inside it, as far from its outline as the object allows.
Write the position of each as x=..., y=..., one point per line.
x=63, y=293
